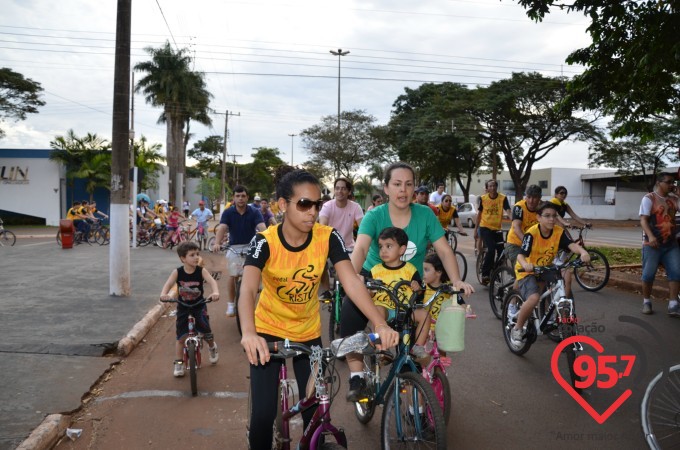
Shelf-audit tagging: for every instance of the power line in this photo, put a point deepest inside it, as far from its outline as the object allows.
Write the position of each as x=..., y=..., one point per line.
x=167, y=25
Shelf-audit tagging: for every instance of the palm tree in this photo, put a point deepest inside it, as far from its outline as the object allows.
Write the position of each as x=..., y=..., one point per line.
x=170, y=83
x=148, y=159
x=363, y=189
x=96, y=170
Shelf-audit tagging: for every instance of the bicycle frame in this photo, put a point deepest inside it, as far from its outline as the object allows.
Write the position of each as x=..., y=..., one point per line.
x=321, y=420
x=198, y=341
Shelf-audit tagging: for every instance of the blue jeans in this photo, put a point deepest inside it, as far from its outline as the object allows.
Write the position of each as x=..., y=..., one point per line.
x=668, y=255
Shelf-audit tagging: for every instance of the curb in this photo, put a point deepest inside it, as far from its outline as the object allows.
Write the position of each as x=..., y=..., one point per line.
x=53, y=427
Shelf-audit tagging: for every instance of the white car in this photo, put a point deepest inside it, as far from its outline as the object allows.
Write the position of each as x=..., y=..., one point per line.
x=468, y=214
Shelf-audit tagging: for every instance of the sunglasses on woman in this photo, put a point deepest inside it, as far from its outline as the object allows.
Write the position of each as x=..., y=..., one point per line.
x=305, y=204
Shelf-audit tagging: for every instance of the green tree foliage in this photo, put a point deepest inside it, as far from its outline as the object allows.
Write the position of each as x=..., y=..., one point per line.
x=343, y=152
x=19, y=96
x=633, y=63
x=524, y=118
x=634, y=155
x=149, y=159
x=432, y=129
x=363, y=190
x=208, y=152
x=170, y=83
x=258, y=176
x=210, y=189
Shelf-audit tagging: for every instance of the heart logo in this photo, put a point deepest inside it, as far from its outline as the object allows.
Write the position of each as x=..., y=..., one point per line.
x=599, y=418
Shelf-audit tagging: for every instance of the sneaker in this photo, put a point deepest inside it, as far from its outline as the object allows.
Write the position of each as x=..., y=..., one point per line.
x=485, y=280
x=179, y=369
x=231, y=309
x=673, y=311
x=647, y=308
x=419, y=351
x=512, y=312
x=516, y=336
x=325, y=296
x=357, y=389
x=214, y=356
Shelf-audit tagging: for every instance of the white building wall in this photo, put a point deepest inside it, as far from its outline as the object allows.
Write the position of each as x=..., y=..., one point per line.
x=34, y=189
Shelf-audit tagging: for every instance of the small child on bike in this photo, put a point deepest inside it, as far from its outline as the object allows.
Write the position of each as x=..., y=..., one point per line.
x=434, y=276
x=392, y=243
x=188, y=280
x=539, y=247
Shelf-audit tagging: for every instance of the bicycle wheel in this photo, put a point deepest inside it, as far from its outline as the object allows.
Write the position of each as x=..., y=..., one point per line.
x=211, y=242
x=364, y=410
x=462, y=264
x=660, y=410
x=441, y=388
x=236, y=295
x=453, y=240
x=7, y=238
x=595, y=275
x=192, y=366
x=501, y=281
x=401, y=426
x=59, y=237
x=479, y=263
x=523, y=346
x=92, y=235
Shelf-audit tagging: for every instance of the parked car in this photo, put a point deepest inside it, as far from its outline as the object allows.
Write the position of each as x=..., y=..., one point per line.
x=468, y=214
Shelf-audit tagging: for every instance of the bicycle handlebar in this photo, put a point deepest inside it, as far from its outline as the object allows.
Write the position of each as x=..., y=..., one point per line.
x=393, y=292
x=538, y=270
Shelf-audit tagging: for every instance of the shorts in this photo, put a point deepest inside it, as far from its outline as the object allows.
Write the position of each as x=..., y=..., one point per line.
x=669, y=256
x=235, y=260
x=202, y=324
x=511, y=251
x=528, y=286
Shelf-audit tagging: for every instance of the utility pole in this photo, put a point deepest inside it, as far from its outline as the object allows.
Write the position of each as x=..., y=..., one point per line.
x=224, y=155
x=235, y=172
x=339, y=54
x=292, y=136
x=119, y=250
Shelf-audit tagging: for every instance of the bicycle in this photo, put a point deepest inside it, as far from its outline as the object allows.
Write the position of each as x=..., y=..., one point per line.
x=403, y=391
x=191, y=354
x=660, y=410
x=435, y=371
x=319, y=392
x=7, y=238
x=79, y=237
x=237, y=267
x=333, y=298
x=594, y=275
x=554, y=315
x=99, y=233
x=498, y=259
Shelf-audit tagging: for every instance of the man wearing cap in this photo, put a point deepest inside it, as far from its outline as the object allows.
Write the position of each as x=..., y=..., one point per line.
x=202, y=216
x=241, y=221
x=256, y=202
x=422, y=197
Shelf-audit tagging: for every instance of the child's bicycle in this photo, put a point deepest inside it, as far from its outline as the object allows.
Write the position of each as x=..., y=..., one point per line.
x=435, y=371
x=192, y=344
x=319, y=392
x=403, y=392
x=7, y=238
x=554, y=315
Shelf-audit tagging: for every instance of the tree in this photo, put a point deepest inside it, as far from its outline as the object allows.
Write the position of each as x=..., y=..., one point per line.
x=210, y=189
x=634, y=155
x=208, y=152
x=19, y=96
x=524, y=118
x=95, y=169
x=170, y=83
x=343, y=153
x=431, y=128
x=632, y=65
x=363, y=189
x=258, y=176
x=149, y=159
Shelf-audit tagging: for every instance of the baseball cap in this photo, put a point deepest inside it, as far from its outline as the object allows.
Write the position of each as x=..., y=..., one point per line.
x=257, y=198
x=422, y=189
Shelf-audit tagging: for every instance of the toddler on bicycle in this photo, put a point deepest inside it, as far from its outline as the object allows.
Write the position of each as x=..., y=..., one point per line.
x=188, y=280
x=539, y=247
x=392, y=243
x=434, y=276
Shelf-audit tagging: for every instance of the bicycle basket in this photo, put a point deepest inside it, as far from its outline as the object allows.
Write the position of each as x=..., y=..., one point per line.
x=450, y=330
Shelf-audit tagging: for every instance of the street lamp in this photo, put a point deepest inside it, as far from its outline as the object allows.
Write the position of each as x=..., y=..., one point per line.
x=339, y=53
x=292, y=136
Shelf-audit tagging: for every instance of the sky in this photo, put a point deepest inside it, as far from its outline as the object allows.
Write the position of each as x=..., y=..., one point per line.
x=269, y=63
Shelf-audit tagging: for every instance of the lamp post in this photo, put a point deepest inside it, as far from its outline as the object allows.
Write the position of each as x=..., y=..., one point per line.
x=339, y=54
x=292, y=136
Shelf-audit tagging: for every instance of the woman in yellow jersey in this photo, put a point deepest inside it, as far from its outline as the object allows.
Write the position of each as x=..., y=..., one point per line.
x=447, y=214
x=289, y=259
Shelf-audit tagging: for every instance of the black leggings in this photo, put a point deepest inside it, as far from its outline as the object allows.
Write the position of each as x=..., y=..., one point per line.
x=352, y=320
x=264, y=381
x=490, y=238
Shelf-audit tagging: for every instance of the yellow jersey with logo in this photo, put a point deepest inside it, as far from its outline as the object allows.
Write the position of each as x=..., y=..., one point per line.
x=391, y=276
x=492, y=211
x=540, y=250
x=289, y=302
x=73, y=213
x=445, y=217
x=436, y=306
x=528, y=218
x=562, y=206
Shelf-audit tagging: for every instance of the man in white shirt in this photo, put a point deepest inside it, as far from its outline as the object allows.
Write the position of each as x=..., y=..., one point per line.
x=202, y=216
x=436, y=196
x=341, y=212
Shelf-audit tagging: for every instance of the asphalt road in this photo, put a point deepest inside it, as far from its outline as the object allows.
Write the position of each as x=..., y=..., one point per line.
x=499, y=400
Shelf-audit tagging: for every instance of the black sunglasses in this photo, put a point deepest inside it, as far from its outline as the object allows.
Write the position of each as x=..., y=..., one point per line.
x=305, y=204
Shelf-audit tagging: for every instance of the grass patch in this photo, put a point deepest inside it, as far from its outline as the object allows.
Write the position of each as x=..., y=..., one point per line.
x=619, y=255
